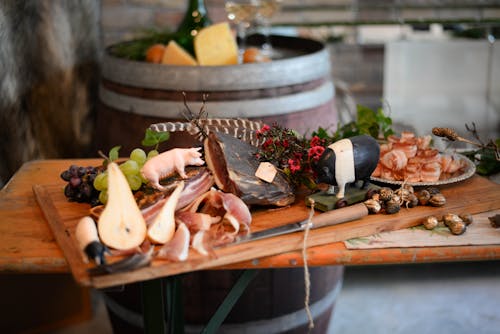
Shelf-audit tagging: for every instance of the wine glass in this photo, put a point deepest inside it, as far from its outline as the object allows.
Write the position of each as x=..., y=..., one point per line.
x=266, y=10
x=242, y=13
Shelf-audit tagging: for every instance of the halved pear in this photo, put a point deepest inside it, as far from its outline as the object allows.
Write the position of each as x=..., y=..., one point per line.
x=121, y=224
x=162, y=228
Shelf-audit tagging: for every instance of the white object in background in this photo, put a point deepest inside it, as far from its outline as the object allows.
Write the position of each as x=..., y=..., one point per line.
x=443, y=83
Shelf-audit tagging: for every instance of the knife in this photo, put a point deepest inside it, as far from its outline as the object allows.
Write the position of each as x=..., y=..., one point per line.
x=329, y=218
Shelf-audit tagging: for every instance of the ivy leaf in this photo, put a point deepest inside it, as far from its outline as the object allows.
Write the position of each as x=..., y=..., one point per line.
x=153, y=138
x=114, y=153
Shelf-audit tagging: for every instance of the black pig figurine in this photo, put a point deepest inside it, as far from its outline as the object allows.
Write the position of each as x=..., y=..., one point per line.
x=348, y=160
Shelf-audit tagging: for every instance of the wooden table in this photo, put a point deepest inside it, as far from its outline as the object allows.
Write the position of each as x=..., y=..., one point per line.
x=28, y=245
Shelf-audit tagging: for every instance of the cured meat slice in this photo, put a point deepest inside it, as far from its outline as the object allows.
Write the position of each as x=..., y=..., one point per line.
x=394, y=160
x=233, y=164
x=177, y=249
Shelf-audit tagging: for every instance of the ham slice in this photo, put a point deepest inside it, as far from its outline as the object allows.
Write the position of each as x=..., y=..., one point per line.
x=394, y=160
x=196, y=221
x=177, y=249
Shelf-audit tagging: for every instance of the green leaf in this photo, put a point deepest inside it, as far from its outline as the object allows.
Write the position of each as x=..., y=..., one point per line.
x=114, y=153
x=153, y=138
x=321, y=133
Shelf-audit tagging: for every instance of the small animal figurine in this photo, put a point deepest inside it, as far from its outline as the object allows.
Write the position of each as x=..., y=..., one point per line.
x=347, y=161
x=168, y=162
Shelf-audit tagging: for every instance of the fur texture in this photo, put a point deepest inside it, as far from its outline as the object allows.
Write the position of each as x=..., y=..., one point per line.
x=49, y=56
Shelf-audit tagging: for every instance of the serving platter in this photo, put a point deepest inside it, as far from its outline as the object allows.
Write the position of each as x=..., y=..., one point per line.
x=468, y=171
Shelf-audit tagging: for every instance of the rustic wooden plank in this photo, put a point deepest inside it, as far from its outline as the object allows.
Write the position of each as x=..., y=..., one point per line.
x=474, y=196
x=64, y=237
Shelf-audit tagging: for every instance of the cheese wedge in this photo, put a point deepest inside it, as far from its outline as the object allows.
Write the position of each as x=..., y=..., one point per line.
x=174, y=54
x=215, y=45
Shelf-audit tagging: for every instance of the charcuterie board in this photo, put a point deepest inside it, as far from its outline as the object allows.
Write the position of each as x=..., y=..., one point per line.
x=474, y=195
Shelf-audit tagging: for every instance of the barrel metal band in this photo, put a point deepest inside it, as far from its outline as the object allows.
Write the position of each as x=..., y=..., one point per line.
x=292, y=70
x=279, y=105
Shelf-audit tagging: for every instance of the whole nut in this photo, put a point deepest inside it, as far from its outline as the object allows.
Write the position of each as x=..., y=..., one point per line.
x=457, y=228
x=467, y=218
x=423, y=197
x=437, y=200
x=373, y=205
x=392, y=206
x=451, y=218
x=385, y=193
x=430, y=222
x=412, y=201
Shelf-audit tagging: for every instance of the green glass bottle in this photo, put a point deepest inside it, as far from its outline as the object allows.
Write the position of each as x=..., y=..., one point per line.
x=196, y=18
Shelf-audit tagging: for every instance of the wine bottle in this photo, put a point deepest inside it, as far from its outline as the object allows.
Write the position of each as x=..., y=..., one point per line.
x=196, y=18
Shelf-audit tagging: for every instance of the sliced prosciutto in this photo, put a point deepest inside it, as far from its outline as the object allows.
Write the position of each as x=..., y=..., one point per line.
x=177, y=249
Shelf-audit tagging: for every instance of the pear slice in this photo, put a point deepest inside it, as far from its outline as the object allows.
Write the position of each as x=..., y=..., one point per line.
x=121, y=225
x=162, y=228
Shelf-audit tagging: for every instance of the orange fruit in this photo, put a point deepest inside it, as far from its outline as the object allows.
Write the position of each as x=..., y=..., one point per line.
x=154, y=53
x=254, y=55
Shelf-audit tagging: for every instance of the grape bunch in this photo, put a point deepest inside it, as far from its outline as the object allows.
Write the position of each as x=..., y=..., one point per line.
x=80, y=187
x=130, y=168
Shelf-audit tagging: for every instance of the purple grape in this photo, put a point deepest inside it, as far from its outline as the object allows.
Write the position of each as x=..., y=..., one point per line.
x=86, y=190
x=82, y=171
x=75, y=181
x=68, y=191
x=73, y=169
x=66, y=175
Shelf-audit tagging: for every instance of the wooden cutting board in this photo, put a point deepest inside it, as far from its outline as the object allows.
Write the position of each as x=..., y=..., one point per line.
x=472, y=196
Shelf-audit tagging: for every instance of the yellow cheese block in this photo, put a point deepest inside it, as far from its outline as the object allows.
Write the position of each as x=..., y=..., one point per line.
x=174, y=54
x=216, y=45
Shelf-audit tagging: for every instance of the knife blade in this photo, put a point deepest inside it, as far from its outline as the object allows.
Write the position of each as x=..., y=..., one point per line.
x=329, y=218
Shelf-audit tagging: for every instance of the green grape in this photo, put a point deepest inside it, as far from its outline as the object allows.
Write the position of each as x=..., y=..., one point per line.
x=101, y=181
x=134, y=181
x=103, y=196
x=130, y=167
x=152, y=153
x=139, y=156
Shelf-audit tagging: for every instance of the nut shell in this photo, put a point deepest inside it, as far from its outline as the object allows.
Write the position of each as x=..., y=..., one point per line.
x=467, y=218
x=392, y=207
x=457, y=228
x=412, y=201
x=385, y=193
x=430, y=222
x=423, y=197
x=373, y=205
x=437, y=200
x=451, y=218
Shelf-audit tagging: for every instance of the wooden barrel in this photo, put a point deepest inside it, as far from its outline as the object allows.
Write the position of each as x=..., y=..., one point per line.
x=295, y=91
x=272, y=303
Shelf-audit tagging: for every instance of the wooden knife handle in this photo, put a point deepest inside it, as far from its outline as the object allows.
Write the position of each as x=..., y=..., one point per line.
x=338, y=216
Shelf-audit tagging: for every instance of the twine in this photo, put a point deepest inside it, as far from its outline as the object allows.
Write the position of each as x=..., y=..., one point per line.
x=307, y=280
